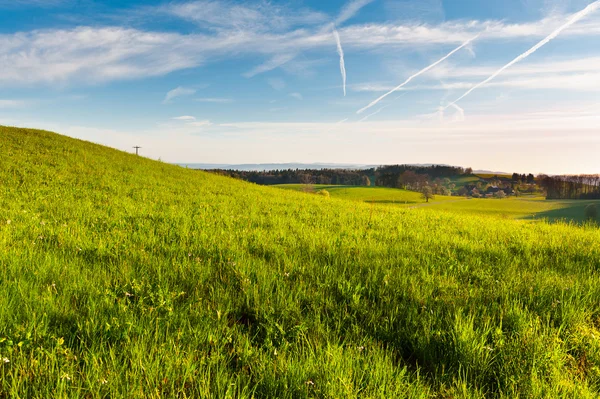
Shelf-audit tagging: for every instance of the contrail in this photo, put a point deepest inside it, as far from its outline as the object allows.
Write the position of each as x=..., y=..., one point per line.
x=340, y=51
x=574, y=18
x=461, y=113
x=421, y=72
x=373, y=114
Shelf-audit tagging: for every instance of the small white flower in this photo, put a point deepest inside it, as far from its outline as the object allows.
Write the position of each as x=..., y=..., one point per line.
x=66, y=377
x=5, y=360
x=8, y=221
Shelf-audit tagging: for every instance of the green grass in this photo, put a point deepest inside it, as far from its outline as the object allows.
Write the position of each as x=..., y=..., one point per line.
x=376, y=195
x=465, y=179
x=521, y=208
x=526, y=207
x=125, y=277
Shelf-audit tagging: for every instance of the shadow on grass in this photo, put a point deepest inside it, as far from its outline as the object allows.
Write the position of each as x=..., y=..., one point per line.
x=573, y=211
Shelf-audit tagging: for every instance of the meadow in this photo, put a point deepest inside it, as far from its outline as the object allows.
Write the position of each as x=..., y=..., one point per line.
x=524, y=207
x=374, y=195
x=126, y=277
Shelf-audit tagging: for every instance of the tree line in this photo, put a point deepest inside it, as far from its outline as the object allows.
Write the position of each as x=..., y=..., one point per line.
x=347, y=177
x=571, y=186
x=394, y=176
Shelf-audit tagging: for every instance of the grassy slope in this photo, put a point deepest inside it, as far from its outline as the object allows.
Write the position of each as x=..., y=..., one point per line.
x=124, y=277
x=381, y=195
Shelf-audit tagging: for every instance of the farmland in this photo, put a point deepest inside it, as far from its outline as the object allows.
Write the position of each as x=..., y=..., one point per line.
x=526, y=208
x=126, y=277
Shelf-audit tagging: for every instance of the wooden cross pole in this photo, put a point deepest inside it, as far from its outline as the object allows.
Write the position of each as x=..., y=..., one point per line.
x=136, y=149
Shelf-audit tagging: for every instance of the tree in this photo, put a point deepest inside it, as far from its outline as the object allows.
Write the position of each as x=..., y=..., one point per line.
x=427, y=193
x=500, y=194
x=469, y=171
x=366, y=181
x=591, y=212
x=463, y=192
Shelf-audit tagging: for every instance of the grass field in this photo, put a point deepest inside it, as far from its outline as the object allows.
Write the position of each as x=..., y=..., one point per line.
x=126, y=277
x=522, y=208
x=528, y=208
x=377, y=195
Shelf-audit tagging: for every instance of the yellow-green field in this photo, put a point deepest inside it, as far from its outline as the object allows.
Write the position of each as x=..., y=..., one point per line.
x=124, y=277
x=530, y=208
x=378, y=195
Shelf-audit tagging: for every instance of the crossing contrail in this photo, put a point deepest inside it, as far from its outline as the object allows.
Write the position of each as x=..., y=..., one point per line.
x=340, y=51
x=421, y=72
x=574, y=18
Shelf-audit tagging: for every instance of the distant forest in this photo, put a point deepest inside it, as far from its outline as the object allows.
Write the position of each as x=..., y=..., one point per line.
x=383, y=176
x=571, y=187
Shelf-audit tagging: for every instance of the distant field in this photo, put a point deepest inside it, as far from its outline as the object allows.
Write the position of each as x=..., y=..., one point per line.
x=462, y=180
x=380, y=195
x=528, y=208
x=517, y=208
x=490, y=175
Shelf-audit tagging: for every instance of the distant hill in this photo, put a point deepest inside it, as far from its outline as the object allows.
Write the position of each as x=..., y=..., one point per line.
x=490, y=172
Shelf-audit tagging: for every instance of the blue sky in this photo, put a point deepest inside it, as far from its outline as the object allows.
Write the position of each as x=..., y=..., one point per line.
x=211, y=81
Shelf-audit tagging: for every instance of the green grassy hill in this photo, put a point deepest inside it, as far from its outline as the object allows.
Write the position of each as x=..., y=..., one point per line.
x=125, y=277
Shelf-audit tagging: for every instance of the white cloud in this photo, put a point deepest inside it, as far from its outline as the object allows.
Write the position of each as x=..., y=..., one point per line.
x=276, y=83
x=178, y=92
x=269, y=65
x=204, y=123
x=297, y=96
x=184, y=118
x=91, y=55
x=586, y=82
x=350, y=10
x=255, y=16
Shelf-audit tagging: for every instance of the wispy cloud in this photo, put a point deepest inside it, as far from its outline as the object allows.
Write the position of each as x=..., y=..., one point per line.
x=32, y=3
x=204, y=123
x=184, y=118
x=178, y=92
x=91, y=55
x=340, y=51
x=256, y=16
x=372, y=114
x=214, y=100
x=276, y=83
x=576, y=17
x=350, y=10
x=297, y=96
x=585, y=82
x=269, y=65
x=422, y=71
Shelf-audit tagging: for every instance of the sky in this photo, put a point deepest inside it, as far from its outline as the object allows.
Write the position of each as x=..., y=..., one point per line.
x=238, y=82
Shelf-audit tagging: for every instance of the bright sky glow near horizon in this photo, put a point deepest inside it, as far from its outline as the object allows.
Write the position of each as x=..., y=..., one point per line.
x=237, y=82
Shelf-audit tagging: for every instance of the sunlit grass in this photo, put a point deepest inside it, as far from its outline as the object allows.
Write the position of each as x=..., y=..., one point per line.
x=124, y=277
x=370, y=194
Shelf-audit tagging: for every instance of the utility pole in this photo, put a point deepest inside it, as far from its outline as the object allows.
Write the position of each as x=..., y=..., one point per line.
x=137, y=147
